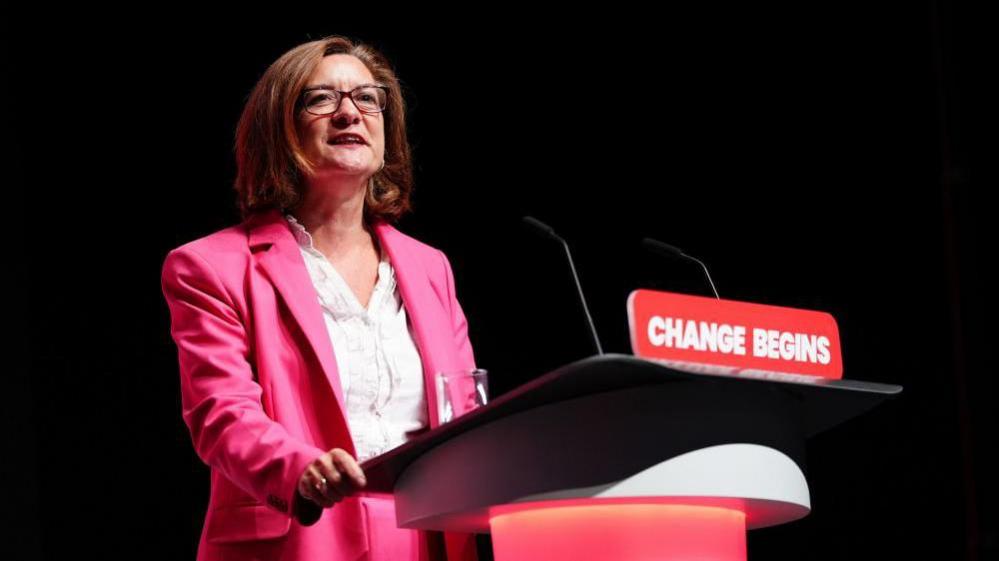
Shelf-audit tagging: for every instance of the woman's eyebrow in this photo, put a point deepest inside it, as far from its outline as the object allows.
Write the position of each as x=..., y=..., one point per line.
x=331, y=87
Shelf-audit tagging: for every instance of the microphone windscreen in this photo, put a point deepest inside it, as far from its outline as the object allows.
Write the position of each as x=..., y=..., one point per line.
x=657, y=246
x=540, y=226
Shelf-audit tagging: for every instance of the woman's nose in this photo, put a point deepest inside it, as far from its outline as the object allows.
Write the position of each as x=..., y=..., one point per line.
x=347, y=113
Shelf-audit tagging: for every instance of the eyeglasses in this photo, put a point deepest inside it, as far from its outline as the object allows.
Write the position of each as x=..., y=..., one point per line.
x=368, y=98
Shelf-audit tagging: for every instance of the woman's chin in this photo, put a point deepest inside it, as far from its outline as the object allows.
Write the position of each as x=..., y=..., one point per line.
x=341, y=169
x=346, y=161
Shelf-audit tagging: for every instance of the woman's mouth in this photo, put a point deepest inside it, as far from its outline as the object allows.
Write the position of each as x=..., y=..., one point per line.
x=347, y=139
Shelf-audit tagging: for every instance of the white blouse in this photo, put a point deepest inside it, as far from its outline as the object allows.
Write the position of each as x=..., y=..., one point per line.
x=380, y=367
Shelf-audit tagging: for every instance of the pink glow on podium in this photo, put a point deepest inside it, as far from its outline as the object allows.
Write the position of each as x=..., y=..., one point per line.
x=595, y=530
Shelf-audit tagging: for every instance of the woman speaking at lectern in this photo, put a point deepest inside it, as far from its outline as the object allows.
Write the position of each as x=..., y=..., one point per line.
x=308, y=333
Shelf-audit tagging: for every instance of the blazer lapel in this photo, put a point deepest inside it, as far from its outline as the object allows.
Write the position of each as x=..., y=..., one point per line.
x=422, y=309
x=282, y=262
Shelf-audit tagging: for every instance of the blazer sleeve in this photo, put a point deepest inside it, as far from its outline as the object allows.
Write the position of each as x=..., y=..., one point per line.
x=220, y=399
x=459, y=323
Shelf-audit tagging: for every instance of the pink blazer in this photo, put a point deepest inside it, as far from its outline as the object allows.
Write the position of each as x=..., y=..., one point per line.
x=260, y=390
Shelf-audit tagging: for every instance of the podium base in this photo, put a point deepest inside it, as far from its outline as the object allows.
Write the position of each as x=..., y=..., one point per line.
x=622, y=531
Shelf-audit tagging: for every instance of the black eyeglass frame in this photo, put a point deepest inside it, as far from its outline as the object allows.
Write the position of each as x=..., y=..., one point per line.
x=340, y=97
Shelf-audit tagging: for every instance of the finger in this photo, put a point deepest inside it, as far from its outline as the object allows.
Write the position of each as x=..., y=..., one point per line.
x=326, y=467
x=320, y=488
x=327, y=496
x=348, y=465
x=334, y=489
x=308, y=488
x=341, y=482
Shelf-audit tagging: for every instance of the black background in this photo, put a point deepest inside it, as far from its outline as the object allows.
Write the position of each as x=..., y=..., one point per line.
x=837, y=157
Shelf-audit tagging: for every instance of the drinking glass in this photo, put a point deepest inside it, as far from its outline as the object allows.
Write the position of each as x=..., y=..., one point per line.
x=460, y=391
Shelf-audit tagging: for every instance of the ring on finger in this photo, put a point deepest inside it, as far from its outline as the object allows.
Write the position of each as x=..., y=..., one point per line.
x=321, y=485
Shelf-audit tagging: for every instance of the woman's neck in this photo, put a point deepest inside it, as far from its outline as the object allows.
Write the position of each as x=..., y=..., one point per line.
x=334, y=217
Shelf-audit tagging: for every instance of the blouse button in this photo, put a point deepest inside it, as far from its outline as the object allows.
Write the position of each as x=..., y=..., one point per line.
x=385, y=332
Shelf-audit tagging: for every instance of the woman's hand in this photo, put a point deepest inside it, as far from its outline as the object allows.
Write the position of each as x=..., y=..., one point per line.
x=341, y=472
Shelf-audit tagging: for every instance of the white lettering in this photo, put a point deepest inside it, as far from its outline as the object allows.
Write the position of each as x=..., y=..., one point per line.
x=690, y=340
x=739, y=333
x=709, y=336
x=773, y=340
x=653, y=331
x=823, y=348
x=725, y=340
x=674, y=329
x=700, y=336
x=806, y=349
x=759, y=342
x=787, y=345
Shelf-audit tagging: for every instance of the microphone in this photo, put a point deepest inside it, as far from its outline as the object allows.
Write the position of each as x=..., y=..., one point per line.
x=548, y=232
x=666, y=250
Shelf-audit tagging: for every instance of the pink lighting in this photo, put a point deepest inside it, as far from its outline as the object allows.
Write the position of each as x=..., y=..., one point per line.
x=596, y=530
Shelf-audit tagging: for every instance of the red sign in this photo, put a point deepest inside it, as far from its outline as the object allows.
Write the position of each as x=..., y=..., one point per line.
x=737, y=338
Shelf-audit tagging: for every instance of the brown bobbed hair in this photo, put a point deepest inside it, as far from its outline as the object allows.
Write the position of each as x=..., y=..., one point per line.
x=270, y=160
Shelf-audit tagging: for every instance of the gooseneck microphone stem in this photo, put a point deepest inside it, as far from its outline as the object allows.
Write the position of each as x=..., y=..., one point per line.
x=706, y=274
x=582, y=299
x=665, y=249
x=548, y=231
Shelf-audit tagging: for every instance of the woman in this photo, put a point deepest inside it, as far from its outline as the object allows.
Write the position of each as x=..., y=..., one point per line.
x=308, y=334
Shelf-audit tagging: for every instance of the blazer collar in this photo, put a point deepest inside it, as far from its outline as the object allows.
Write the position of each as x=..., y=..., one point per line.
x=279, y=255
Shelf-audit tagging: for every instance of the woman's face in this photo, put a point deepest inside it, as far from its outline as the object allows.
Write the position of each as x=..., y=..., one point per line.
x=316, y=132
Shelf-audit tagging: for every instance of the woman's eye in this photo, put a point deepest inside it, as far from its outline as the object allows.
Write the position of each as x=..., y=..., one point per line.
x=321, y=98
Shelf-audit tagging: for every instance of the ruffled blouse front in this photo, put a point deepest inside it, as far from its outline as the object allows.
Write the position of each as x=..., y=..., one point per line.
x=376, y=355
